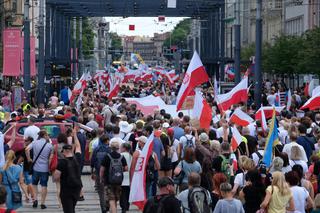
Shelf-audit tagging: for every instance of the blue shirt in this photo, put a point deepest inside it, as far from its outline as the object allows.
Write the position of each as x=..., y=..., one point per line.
x=178, y=132
x=157, y=147
x=307, y=143
x=64, y=95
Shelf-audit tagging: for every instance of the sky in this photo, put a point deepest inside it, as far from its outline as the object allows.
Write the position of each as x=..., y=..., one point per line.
x=144, y=26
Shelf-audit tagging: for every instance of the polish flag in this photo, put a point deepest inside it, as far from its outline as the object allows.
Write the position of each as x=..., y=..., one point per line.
x=138, y=195
x=264, y=124
x=315, y=91
x=313, y=103
x=236, y=138
x=114, y=87
x=202, y=111
x=230, y=72
x=131, y=75
x=241, y=118
x=238, y=94
x=309, y=88
x=195, y=76
x=268, y=111
x=80, y=85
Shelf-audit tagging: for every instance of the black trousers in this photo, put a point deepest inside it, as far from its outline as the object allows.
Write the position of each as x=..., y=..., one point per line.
x=69, y=199
x=124, y=198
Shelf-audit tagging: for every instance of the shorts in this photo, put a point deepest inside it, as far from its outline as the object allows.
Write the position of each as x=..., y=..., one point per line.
x=113, y=192
x=27, y=178
x=43, y=177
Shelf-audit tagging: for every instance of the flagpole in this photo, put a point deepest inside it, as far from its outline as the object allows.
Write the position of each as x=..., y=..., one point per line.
x=217, y=100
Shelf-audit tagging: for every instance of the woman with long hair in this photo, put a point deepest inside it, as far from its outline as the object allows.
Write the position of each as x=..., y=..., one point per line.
x=278, y=195
x=217, y=180
x=10, y=176
x=187, y=165
x=253, y=192
x=207, y=174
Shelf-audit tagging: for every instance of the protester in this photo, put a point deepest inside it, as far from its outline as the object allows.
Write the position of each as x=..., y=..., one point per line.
x=165, y=199
x=125, y=186
x=111, y=175
x=69, y=174
x=42, y=155
x=11, y=176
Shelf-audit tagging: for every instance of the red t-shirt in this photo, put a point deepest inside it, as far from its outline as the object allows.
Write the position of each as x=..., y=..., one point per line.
x=99, y=120
x=67, y=115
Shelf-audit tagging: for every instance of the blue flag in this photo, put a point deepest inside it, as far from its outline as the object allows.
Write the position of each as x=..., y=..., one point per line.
x=271, y=140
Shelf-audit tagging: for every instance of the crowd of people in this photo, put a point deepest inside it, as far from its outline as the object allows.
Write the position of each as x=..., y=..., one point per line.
x=189, y=169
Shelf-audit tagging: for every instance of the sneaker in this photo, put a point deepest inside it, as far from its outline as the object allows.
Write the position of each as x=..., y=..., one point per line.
x=43, y=206
x=81, y=198
x=35, y=204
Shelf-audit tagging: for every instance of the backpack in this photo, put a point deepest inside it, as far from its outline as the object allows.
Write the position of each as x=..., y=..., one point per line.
x=100, y=154
x=189, y=142
x=115, y=175
x=225, y=166
x=150, y=168
x=199, y=200
x=156, y=205
x=73, y=179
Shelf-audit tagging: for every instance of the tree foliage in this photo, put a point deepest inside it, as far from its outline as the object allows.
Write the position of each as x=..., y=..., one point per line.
x=179, y=34
x=115, y=41
x=289, y=54
x=87, y=38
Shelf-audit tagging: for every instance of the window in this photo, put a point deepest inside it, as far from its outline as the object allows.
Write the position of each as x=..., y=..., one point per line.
x=14, y=6
x=53, y=130
x=294, y=26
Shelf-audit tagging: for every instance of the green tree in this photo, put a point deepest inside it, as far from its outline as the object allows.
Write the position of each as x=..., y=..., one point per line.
x=283, y=56
x=309, y=53
x=179, y=34
x=115, y=40
x=87, y=38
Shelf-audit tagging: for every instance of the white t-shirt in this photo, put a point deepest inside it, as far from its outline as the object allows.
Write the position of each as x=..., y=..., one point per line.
x=299, y=162
x=300, y=195
x=256, y=158
x=174, y=149
x=31, y=131
x=126, y=178
x=240, y=179
x=287, y=149
x=271, y=99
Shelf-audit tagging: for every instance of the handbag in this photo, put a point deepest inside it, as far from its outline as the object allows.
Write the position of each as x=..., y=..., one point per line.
x=179, y=178
x=15, y=196
x=31, y=168
x=54, y=161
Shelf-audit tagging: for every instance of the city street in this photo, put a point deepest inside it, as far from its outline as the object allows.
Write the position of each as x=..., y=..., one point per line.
x=90, y=205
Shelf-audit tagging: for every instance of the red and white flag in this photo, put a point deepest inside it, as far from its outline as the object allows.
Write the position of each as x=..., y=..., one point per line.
x=241, y=118
x=268, y=110
x=236, y=138
x=80, y=85
x=238, y=94
x=313, y=103
x=138, y=184
x=202, y=111
x=264, y=124
x=195, y=76
x=114, y=83
x=309, y=88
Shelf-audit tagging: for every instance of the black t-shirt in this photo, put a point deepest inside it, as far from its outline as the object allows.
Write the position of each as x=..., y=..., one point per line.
x=214, y=198
x=106, y=163
x=170, y=204
x=252, y=143
x=253, y=196
x=133, y=137
x=26, y=165
x=63, y=168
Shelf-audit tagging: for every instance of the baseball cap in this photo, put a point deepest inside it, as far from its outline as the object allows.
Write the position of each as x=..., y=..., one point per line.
x=142, y=139
x=164, y=181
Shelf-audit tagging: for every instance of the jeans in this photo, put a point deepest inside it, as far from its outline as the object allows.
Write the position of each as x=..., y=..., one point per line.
x=43, y=177
x=149, y=190
x=154, y=183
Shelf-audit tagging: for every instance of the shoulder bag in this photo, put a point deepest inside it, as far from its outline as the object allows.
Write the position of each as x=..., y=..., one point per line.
x=35, y=160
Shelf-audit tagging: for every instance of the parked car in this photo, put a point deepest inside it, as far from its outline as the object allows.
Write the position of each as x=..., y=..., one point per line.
x=53, y=127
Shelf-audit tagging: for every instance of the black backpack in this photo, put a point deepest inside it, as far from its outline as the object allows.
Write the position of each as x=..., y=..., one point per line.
x=150, y=168
x=73, y=179
x=115, y=175
x=156, y=205
x=199, y=200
